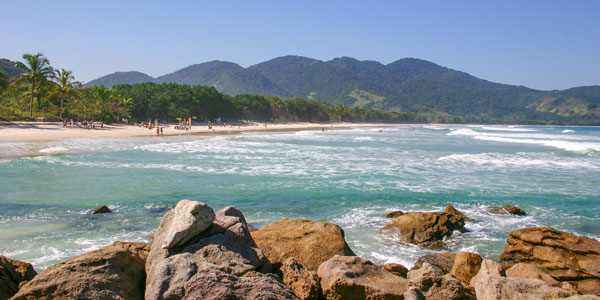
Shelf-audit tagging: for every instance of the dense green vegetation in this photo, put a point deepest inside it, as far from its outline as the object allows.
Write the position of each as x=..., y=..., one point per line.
x=41, y=91
x=409, y=85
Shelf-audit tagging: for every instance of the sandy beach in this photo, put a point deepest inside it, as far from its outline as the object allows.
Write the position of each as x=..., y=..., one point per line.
x=55, y=130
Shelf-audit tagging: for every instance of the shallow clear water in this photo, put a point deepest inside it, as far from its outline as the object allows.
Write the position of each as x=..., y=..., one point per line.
x=348, y=177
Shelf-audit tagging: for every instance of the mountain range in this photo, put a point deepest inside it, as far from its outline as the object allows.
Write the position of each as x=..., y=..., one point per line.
x=408, y=84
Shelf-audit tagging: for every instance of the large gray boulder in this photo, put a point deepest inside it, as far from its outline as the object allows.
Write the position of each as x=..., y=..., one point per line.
x=491, y=287
x=224, y=249
x=189, y=219
x=211, y=284
x=354, y=278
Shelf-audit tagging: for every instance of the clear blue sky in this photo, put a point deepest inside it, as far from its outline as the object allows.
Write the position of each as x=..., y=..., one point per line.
x=541, y=44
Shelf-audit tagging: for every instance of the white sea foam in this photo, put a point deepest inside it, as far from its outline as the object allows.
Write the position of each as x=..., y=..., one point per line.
x=54, y=150
x=567, y=131
x=509, y=128
x=537, y=139
x=520, y=160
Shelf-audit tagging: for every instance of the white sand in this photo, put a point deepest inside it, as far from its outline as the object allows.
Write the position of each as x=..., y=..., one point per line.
x=55, y=130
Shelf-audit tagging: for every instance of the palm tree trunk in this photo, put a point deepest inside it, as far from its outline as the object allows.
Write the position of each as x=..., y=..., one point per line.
x=31, y=101
x=61, y=107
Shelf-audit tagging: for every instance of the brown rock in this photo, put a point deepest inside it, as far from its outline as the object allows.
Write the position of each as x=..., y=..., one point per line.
x=564, y=256
x=396, y=269
x=510, y=288
x=311, y=243
x=304, y=283
x=451, y=210
x=531, y=271
x=113, y=272
x=442, y=261
x=13, y=273
x=354, y=278
x=417, y=228
x=466, y=265
x=434, y=285
x=488, y=267
x=506, y=210
x=589, y=286
x=102, y=209
x=393, y=214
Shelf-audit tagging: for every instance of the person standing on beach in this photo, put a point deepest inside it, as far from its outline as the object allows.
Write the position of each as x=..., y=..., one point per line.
x=157, y=131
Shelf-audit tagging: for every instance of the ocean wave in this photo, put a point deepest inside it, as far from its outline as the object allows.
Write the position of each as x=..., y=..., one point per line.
x=509, y=128
x=520, y=159
x=567, y=131
x=537, y=139
x=54, y=150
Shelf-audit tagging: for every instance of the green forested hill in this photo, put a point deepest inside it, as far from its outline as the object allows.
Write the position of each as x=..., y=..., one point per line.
x=409, y=84
x=8, y=68
x=131, y=77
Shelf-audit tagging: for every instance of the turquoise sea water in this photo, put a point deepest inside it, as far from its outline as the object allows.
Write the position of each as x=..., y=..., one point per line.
x=348, y=177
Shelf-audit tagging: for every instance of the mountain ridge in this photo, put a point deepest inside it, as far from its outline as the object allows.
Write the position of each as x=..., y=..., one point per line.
x=407, y=84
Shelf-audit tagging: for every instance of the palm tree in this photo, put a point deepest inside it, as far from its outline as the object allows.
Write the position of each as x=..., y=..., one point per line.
x=3, y=82
x=37, y=72
x=65, y=87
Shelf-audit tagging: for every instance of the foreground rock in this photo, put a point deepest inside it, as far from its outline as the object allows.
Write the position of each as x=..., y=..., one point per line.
x=209, y=284
x=433, y=285
x=574, y=259
x=304, y=283
x=219, y=262
x=491, y=287
x=441, y=261
x=396, y=269
x=311, y=243
x=351, y=277
x=425, y=228
x=113, y=272
x=488, y=267
x=13, y=274
x=466, y=266
x=102, y=209
x=506, y=210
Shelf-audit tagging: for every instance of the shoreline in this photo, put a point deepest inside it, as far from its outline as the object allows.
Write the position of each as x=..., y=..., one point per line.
x=49, y=131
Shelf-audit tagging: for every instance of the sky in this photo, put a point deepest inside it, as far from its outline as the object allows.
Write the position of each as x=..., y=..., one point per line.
x=545, y=44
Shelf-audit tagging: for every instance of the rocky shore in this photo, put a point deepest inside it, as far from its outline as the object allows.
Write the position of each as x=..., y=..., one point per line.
x=199, y=253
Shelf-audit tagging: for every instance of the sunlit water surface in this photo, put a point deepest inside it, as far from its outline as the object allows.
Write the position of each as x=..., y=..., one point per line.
x=348, y=177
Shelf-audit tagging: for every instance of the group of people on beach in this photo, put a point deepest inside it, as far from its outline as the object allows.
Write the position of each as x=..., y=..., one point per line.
x=81, y=124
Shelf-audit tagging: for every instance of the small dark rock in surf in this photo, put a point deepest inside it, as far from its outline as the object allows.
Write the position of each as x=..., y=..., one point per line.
x=102, y=209
x=506, y=210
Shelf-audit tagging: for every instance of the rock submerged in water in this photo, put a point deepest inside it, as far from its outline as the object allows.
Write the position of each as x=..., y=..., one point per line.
x=311, y=243
x=428, y=229
x=102, y=209
x=566, y=257
x=423, y=228
x=506, y=210
x=13, y=274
